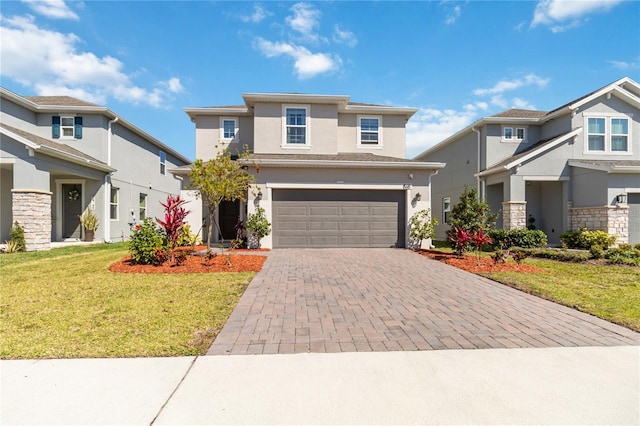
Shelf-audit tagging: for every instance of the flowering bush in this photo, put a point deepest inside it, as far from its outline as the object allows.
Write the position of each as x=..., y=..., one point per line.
x=147, y=246
x=174, y=220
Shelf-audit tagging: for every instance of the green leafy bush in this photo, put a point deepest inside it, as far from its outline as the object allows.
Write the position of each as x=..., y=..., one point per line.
x=524, y=238
x=257, y=223
x=188, y=238
x=422, y=225
x=624, y=255
x=596, y=251
x=16, y=241
x=147, y=245
x=585, y=239
x=560, y=255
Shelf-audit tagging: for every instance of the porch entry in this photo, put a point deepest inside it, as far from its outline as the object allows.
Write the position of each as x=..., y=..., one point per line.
x=71, y=210
x=228, y=215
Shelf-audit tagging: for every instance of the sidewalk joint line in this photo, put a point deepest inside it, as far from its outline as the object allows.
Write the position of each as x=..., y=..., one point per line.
x=184, y=376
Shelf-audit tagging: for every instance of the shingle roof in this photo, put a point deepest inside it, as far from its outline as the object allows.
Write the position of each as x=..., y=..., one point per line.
x=53, y=145
x=610, y=163
x=341, y=156
x=59, y=101
x=537, y=145
x=521, y=113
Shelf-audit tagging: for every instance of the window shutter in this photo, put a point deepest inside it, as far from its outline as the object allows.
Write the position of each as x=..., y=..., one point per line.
x=77, y=124
x=55, y=127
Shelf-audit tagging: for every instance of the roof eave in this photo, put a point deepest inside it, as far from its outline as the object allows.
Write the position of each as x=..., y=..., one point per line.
x=337, y=164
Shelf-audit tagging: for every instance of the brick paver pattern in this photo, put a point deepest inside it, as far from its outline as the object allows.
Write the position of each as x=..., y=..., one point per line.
x=347, y=300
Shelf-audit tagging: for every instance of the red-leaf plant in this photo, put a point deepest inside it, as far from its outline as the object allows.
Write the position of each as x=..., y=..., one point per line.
x=478, y=239
x=174, y=220
x=460, y=239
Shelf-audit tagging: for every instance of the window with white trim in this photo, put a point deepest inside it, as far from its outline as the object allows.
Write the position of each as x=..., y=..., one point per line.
x=608, y=134
x=113, y=203
x=369, y=131
x=296, y=126
x=520, y=133
x=446, y=208
x=163, y=162
x=228, y=128
x=66, y=127
x=507, y=133
x=142, y=207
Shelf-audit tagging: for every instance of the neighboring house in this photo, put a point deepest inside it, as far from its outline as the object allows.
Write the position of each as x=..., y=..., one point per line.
x=60, y=156
x=576, y=166
x=330, y=172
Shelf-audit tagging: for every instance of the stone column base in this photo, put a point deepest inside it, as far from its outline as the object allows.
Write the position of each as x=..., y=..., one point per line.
x=514, y=214
x=614, y=220
x=32, y=210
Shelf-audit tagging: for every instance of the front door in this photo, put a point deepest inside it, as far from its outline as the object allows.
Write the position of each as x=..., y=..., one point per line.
x=229, y=213
x=71, y=210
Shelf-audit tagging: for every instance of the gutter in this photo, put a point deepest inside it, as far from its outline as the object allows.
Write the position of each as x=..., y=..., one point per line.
x=345, y=164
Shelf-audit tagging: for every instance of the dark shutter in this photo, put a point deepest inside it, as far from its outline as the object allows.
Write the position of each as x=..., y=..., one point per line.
x=77, y=127
x=55, y=127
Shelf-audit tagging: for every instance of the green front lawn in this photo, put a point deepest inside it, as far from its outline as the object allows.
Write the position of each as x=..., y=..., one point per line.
x=64, y=303
x=606, y=291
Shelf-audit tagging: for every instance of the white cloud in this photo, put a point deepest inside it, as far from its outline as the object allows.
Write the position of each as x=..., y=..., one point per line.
x=521, y=104
x=508, y=85
x=561, y=15
x=258, y=15
x=306, y=63
x=344, y=36
x=32, y=55
x=453, y=15
x=55, y=9
x=429, y=126
x=625, y=66
x=304, y=21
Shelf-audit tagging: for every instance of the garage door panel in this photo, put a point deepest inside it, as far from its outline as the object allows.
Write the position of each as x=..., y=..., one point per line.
x=296, y=225
x=338, y=218
x=323, y=225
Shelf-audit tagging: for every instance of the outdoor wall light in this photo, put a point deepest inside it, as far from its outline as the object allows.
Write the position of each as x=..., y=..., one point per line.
x=259, y=196
x=418, y=197
x=621, y=199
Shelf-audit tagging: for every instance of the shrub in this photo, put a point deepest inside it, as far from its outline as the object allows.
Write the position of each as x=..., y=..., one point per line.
x=596, y=251
x=460, y=240
x=624, y=255
x=188, y=238
x=423, y=226
x=560, y=255
x=637, y=246
x=523, y=238
x=147, y=244
x=257, y=224
x=174, y=220
x=471, y=215
x=16, y=238
x=585, y=239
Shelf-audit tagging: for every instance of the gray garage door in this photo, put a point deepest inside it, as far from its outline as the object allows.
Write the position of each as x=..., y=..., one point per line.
x=337, y=218
x=634, y=218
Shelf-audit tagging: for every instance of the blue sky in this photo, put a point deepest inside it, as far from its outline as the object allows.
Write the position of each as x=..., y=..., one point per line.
x=455, y=61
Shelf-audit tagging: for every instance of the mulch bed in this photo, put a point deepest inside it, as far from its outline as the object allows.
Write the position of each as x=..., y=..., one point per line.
x=197, y=263
x=470, y=262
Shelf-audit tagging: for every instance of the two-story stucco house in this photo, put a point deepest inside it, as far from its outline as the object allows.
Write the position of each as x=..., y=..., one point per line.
x=60, y=156
x=332, y=173
x=576, y=166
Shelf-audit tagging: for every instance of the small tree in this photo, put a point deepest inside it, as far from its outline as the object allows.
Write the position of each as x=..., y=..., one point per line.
x=422, y=226
x=470, y=215
x=218, y=179
x=16, y=241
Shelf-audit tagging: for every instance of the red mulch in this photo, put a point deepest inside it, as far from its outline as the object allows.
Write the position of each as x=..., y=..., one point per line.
x=469, y=263
x=197, y=263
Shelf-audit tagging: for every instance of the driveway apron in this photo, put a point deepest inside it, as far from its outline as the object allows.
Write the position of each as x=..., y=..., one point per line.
x=363, y=300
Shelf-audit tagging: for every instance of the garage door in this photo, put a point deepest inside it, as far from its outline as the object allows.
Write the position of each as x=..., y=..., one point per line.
x=634, y=218
x=337, y=218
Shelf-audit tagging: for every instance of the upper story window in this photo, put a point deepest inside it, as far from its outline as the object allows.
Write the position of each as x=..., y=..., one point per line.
x=296, y=126
x=608, y=135
x=163, y=162
x=65, y=127
x=228, y=128
x=369, y=131
x=508, y=135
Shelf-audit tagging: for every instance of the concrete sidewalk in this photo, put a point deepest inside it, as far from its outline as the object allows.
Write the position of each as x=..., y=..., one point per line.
x=580, y=385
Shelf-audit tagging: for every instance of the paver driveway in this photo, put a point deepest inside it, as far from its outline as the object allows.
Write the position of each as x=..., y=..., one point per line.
x=344, y=300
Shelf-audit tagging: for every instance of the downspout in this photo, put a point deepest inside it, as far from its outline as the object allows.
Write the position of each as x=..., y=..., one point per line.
x=107, y=186
x=430, y=241
x=478, y=188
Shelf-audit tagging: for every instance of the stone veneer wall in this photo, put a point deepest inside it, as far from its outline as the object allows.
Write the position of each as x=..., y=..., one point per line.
x=611, y=219
x=32, y=210
x=514, y=214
